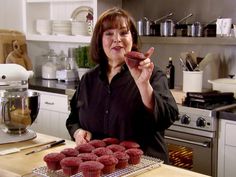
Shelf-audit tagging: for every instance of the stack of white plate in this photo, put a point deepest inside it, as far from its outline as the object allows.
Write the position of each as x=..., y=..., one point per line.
x=43, y=26
x=61, y=27
x=79, y=28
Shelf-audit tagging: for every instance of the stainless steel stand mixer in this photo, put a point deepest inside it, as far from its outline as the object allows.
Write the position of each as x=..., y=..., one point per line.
x=18, y=106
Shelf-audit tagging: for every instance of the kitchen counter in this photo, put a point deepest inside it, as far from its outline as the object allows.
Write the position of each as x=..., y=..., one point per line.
x=228, y=114
x=54, y=86
x=19, y=164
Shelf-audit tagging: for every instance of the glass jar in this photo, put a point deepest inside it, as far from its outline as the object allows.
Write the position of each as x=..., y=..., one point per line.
x=51, y=66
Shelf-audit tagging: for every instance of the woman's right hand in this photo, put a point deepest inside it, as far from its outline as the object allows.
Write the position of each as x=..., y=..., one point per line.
x=82, y=136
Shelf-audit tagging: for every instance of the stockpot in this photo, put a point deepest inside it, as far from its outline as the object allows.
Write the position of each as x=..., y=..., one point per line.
x=147, y=27
x=209, y=29
x=156, y=25
x=195, y=30
x=144, y=26
x=167, y=28
x=181, y=28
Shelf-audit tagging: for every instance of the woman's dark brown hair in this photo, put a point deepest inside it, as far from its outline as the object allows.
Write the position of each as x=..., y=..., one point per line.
x=109, y=19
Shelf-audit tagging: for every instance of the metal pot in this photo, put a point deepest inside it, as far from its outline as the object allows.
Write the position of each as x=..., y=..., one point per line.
x=180, y=28
x=209, y=29
x=147, y=27
x=140, y=27
x=167, y=28
x=195, y=30
x=155, y=26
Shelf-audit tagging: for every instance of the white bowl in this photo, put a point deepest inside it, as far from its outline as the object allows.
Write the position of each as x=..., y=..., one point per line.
x=79, y=28
x=43, y=27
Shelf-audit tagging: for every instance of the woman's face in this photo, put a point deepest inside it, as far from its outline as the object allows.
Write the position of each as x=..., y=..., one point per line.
x=116, y=42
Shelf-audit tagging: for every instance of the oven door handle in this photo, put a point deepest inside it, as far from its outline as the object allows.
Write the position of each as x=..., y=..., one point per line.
x=204, y=144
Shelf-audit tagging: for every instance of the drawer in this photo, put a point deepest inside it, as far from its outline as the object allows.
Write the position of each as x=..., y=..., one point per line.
x=53, y=102
x=230, y=129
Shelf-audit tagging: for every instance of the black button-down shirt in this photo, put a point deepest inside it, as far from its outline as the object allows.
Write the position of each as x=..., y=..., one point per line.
x=117, y=110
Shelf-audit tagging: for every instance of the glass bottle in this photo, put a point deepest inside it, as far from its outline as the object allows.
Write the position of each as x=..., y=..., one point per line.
x=170, y=73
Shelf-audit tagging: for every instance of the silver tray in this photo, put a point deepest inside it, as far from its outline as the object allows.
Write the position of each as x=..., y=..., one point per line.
x=147, y=163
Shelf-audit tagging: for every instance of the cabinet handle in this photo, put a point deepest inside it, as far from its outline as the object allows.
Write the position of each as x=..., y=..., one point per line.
x=49, y=103
x=204, y=144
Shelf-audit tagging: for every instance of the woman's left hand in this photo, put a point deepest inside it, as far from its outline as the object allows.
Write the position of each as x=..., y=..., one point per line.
x=143, y=72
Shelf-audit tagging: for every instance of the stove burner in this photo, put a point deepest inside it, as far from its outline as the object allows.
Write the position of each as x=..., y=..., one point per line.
x=209, y=100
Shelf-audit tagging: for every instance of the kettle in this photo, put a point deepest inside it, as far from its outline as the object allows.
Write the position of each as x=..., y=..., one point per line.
x=50, y=67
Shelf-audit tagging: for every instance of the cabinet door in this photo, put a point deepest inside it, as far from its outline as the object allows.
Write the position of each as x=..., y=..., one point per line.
x=61, y=129
x=52, y=115
x=227, y=149
x=51, y=123
x=230, y=161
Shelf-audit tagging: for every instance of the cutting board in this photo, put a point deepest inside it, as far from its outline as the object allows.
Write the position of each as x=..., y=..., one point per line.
x=19, y=56
x=6, y=38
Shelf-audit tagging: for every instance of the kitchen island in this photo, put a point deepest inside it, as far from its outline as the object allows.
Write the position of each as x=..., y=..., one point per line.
x=21, y=165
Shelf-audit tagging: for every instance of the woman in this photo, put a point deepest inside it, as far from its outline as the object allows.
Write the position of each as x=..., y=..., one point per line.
x=117, y=100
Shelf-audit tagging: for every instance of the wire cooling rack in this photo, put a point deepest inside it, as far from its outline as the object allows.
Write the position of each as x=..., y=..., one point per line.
x=147, y=163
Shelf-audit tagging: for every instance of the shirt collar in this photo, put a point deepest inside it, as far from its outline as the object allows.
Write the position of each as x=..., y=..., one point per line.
x=102, y=71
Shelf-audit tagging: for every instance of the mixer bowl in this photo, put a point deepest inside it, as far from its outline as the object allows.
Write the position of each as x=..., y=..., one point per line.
x=19, y=111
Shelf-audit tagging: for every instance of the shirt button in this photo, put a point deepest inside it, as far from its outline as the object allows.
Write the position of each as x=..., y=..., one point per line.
x=106, y=111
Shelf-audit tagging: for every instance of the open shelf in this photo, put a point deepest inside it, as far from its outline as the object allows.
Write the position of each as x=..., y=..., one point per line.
x=189, y=40
x=59, y=38
x=54, y=10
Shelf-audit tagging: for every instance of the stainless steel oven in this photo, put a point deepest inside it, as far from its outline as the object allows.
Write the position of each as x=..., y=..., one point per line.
x=192, y=140
x=192, y=151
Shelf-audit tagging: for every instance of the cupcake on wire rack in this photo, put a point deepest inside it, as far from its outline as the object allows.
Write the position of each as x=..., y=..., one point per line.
x=91, y=168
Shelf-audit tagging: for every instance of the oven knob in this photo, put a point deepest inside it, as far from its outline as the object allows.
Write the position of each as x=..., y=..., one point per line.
x=201, y=122
x=185, y=119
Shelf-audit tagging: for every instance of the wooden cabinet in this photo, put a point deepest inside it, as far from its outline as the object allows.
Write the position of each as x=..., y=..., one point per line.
x=53, y=112
x=227, y=148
